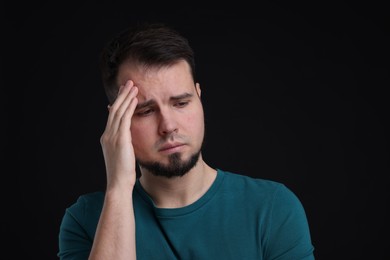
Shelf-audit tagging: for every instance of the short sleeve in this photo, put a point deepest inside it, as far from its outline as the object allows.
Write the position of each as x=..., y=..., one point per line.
x=74, y=240
x=288, y=230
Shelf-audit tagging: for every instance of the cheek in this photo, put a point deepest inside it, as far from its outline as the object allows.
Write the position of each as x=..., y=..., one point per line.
x=140, y=135
x=196, y=122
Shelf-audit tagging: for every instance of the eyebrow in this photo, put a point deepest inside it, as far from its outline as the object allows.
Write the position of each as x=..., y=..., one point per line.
x=152, y=101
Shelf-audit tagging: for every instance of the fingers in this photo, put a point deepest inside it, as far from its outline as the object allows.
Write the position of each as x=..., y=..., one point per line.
x=126, y=96
x=128, y=113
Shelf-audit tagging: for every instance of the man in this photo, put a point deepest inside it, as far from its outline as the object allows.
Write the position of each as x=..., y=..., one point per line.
x=179, y=207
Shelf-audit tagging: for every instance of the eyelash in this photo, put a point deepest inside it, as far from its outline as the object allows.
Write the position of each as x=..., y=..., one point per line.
x=146, y=112
x=182, y=103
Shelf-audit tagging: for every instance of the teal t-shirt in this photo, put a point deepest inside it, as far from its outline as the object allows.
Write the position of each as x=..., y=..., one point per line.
x=239, y=218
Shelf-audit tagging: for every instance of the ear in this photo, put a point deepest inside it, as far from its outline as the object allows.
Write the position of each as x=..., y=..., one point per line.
x=197, y=87
x=108, y=107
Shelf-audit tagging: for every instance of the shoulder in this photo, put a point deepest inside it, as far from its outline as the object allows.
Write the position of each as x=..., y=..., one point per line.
x=246, y=182
x=81, y=217
x=87, y=203
x=93, y=197
x=258, y=188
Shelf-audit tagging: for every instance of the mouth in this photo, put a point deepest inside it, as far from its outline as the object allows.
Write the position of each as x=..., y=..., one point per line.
x=171, y=148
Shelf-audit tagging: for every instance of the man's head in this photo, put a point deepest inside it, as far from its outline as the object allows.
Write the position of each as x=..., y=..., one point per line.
x=167, y=127
x=149, y=45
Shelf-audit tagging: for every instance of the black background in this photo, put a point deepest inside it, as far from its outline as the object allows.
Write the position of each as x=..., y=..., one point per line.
x=292, y=92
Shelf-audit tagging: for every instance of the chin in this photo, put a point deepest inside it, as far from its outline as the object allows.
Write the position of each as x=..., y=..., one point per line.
x=176, y=166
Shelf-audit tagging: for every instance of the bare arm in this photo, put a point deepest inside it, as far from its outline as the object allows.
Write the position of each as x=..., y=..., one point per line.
x=115, y=233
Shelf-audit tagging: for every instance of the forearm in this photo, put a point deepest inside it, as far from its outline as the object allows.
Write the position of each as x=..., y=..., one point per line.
x=115, y=233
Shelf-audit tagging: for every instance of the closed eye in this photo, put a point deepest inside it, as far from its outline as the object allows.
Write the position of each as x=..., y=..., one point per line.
x=145, y=112
x=181, y=104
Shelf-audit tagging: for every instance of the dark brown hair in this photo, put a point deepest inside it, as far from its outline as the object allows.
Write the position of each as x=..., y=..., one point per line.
x=147, y=44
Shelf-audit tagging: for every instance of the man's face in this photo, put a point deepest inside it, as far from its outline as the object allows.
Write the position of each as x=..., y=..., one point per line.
x=167, y=127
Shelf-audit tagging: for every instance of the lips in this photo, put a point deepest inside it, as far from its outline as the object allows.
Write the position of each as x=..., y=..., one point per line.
x=170, y=146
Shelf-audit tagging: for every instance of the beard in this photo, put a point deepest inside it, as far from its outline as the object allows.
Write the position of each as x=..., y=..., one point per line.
x=176, y=166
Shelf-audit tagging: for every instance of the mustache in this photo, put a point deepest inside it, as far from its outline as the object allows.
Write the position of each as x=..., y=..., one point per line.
x=174, y=137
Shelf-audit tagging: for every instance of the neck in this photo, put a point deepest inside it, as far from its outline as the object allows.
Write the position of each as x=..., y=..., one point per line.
x=179, y=191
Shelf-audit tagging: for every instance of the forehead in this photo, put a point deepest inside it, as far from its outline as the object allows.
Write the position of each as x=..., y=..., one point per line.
x=174, y=79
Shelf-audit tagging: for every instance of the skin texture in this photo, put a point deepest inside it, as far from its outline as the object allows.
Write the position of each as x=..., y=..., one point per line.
x=157, y=115
x=169, y=113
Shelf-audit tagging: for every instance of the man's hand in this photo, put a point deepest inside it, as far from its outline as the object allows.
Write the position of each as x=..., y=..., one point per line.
x=116, y=140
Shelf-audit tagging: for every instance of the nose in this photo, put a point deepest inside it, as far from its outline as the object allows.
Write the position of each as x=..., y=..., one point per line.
x=167, y=123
